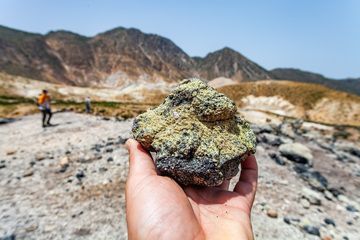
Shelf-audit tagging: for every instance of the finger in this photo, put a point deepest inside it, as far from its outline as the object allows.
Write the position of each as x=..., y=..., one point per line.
x=225, y=185
x=248, y=179
x=140, y=161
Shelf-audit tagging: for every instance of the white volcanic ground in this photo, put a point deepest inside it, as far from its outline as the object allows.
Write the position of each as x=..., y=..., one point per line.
x=67, y=181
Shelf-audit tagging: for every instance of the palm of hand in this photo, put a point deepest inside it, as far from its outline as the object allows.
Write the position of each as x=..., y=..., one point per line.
x=158, y=208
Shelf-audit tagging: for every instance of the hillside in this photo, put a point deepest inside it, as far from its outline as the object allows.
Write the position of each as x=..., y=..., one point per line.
x=299, y=100
x=351, y=85
x=115, y=58
x=124, y=57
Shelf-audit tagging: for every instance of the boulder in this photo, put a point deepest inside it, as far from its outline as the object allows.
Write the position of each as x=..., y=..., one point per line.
x=296, y=152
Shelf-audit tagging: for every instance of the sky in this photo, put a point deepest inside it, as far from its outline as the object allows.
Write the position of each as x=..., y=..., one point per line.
x=321, y=36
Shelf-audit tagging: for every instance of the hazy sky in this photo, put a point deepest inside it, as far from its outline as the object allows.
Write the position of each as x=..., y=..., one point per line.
x=316, y=35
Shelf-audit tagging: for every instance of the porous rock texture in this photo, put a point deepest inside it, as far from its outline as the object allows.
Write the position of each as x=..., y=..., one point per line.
x=197, y=138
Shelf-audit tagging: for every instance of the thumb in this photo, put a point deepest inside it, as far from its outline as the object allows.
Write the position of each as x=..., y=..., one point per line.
x=140, y=161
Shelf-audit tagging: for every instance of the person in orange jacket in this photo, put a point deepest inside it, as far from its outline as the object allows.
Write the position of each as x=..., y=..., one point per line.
x=45, y=108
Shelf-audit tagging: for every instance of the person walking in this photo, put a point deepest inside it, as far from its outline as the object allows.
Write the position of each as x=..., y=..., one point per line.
x=87, y=105
x=45, y=108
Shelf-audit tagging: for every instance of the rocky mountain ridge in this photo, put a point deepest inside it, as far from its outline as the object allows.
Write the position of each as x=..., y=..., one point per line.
x=123, y=57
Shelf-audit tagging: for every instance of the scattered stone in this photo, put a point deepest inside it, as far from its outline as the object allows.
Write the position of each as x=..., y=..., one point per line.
x=313, y=197
x=266, y=128
x=287, y=130
x=31, y=227
x=330, y=221
x=28, y=173
x=40, y=156
x=121, y=140
x=110, y=159
x=287, y=220
x=68, y=152
x=305, y=203
x=64, y=164
x=272, y=213
x=103, y=169
x=335, y=191
x=328, y=195
x=197, y=138
x=79, y=175
x=270, y=139
x=10, y=152
x=315, y=179
x=109, y=150
x=351, y=208
x=2, y=165
x=109, y=143
x=296, y=152
x=9, y=237
x=278, y=159
x=312, y=230
x=326, y=238
x=82, y=232
x=349, y=148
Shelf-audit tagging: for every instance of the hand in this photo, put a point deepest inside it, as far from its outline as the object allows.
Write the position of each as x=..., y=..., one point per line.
x=158, y=208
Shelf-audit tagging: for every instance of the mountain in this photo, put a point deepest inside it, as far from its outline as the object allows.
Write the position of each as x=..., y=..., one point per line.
x=351, y=85
x=230, y=64
x=112, y=58
x=124, y=57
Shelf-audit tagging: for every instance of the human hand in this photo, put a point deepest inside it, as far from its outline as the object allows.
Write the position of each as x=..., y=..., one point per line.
x=159, y=208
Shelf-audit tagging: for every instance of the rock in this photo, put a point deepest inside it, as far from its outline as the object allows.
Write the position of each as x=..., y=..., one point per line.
x=121, y=140
x=287, y=130
x=278, y=159
x=31, y=227
x=79, y=175
x=296, y=152
x=348, y=147
x=28, y=173
x=305, y=203
x=291, y=220
x=197, y=138
x=351, y=208
x=9, y=237
x=315, y=179
x=109, y=150
x=328, y=195
x=270, y=139
x=313, y=197
x=40, y=156
x=330, y=221
x=110, y=159
x=265, y=128
x=10, y=152
x=326, y=238
x=350, y=203
x=64, y=162
x=2, y=165
x=311, y=230
x=272, y=213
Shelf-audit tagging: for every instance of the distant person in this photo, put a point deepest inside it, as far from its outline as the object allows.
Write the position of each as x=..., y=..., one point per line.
x=45, y=108
x=87, y=105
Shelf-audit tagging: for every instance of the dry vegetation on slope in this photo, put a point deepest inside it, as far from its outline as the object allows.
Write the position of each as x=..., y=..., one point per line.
x=309, y=101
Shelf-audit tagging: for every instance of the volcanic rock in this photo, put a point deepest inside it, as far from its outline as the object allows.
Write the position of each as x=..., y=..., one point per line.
x=197, y=138
x=296, y=152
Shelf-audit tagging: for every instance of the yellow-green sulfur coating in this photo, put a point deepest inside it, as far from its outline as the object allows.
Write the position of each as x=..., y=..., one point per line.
x=197, y=138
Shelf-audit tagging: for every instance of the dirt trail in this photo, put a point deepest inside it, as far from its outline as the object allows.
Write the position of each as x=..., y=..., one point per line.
x=67, y=182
